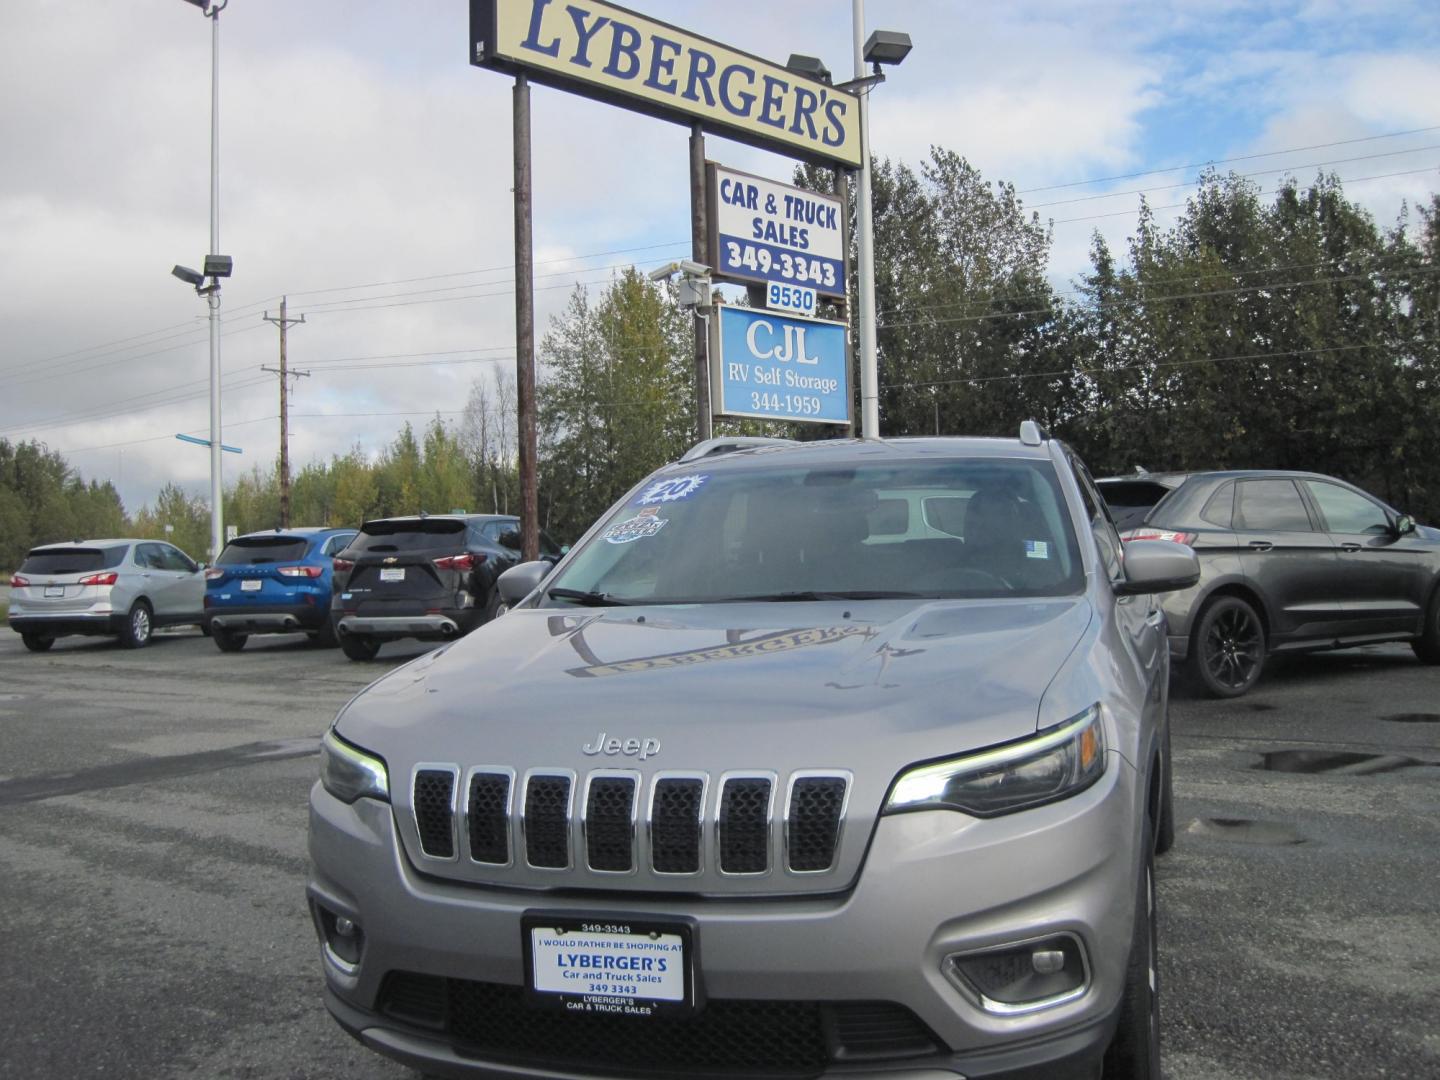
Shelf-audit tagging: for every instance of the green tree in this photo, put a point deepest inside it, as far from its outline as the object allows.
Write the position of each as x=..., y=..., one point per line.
x=616, y=399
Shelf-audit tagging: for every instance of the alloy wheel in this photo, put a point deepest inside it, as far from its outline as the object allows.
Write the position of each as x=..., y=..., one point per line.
x=1233, y=648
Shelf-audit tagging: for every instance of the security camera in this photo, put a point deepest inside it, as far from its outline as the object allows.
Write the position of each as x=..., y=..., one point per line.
x=688, y=267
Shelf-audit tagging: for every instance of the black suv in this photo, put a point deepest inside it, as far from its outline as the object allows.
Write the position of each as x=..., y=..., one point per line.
x=430, y=577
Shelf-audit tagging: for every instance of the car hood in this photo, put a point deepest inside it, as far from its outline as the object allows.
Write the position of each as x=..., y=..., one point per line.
x=864, y=686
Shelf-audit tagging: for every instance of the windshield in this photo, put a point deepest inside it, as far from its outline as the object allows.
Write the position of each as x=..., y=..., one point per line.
x=73, y=560
x=973, y=528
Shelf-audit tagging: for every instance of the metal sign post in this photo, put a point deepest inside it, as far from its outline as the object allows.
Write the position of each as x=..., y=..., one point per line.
x=525, y=326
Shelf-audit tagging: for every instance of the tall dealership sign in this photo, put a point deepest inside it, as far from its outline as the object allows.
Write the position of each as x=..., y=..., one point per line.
x=606, y=52
x=602, y=51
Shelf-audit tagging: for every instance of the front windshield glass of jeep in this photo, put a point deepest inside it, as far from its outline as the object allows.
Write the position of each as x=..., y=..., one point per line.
x=987, y=527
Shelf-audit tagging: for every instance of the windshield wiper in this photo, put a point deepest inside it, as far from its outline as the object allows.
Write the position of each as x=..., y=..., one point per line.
x=587, y=599
x=807, y=594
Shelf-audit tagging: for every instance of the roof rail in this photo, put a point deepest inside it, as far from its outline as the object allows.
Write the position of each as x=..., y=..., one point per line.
x=728, y=444
x=1032, y=434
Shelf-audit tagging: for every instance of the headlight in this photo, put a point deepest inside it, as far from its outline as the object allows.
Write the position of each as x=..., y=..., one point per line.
x=1055, y=763
x=349, y=773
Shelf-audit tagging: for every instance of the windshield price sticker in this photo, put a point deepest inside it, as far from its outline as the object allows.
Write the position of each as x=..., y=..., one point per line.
x=794, y=298
x=768, y=232
x=603, y=967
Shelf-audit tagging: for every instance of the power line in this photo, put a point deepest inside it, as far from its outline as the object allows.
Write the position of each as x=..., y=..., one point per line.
x=1273, y=191
x=1259, y=172
x=1227, y=161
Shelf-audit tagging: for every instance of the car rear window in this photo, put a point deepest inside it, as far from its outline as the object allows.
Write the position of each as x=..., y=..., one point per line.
x=250, y=550
x=72, y=560
x=1130, y=500
x=410, y=534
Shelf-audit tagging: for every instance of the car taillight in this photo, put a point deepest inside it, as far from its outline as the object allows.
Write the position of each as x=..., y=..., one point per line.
x=18, y=582
x=301, y=571
x=214, y=574
x=1159, y=534
x=101, y=579
x=343, y=565
x=468, y=561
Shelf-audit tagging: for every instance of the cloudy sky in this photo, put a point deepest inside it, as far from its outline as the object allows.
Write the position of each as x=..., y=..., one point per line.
x=366, y=168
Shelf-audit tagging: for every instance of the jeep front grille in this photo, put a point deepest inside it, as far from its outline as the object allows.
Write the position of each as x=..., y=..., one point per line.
x=551, y=827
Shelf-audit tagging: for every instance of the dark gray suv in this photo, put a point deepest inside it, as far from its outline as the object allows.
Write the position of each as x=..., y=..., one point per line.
x=1289, y=561
x=825, y=759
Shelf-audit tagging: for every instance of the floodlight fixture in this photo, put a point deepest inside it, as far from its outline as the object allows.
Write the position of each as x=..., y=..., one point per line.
x=190, y=277
x=886, y=47
x=812, y=66
x=218, y=265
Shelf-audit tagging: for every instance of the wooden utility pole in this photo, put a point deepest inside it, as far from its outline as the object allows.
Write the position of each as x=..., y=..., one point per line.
x=699, y=237
x=285, y=376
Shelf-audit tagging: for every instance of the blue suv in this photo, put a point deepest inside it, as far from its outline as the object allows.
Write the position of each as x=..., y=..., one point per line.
x=275, y=582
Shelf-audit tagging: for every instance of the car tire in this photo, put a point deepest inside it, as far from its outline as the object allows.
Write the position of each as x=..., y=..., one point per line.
x=139, y=626
x=497, y=606
x=228, y=640
x=37, y=642
x=1134, y=1052
x=1165, y=822
x=1427, y=645
x=325, y=637
x=359, y=646
x=1227, y=652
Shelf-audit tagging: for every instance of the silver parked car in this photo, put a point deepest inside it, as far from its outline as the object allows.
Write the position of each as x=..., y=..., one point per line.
x=825, y=759
x=124, y=588
x=1289, y=561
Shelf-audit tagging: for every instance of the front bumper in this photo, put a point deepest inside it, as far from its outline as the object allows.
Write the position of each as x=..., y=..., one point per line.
x=934, y=884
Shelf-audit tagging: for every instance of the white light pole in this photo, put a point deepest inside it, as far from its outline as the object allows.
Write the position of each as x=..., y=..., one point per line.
x=865, y=272
x=212, y=293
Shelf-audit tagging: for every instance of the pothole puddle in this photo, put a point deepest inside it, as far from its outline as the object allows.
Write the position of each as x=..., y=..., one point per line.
x=1412, y=718
x=1335, y=762
x=1245, y=831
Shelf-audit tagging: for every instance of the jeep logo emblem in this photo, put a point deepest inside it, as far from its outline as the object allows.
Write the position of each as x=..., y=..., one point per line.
x=636, y=748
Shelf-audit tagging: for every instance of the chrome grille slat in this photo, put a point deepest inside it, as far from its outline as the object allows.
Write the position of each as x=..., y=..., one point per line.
x=609, y=823
x=488, y=816
x=433, y=797
x=547, y=821
x=744, y=824
x=677, y=814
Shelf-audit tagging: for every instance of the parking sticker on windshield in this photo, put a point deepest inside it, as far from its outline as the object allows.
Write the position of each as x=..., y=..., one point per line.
x=645, y=523
x=663, y=491
x=1037, y=549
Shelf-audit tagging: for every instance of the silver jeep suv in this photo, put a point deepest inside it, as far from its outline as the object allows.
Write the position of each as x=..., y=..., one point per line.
x=827, y=759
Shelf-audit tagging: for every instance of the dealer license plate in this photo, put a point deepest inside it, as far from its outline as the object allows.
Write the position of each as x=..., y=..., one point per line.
x=619, y=967
x=392, y=573
x=54, y=590
x=252, y=585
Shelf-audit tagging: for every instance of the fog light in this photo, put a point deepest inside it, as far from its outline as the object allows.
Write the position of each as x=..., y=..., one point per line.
x=341, y=937
x=1024, y=977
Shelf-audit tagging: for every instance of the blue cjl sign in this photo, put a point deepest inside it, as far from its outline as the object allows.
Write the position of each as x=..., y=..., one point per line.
x=778, y=368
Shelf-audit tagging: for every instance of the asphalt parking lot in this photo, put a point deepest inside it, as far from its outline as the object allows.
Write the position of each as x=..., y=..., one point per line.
x=152, y=863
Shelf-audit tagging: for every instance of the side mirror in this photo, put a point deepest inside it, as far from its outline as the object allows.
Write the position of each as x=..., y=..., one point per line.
x=520, y=581
x=1153, y=566
x=1404, y=524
